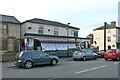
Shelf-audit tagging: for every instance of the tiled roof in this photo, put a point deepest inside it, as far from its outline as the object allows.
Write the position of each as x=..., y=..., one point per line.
x=47, y=22
x=9, y=19
x=108, y=26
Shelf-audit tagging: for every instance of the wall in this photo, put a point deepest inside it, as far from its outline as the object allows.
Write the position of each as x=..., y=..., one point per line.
x=14, y=30
x=8, y=56
x=111, y=33
x=98, y=36
x=0, y=35
x=34, y=26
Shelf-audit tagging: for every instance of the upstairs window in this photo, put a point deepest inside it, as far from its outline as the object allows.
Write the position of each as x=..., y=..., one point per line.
x=109, y=31
x=74, y=33
x=109, y=39
x=56, y=31
x=29, y=28
x=40, y=30
x=5, y=29
x=48, y=29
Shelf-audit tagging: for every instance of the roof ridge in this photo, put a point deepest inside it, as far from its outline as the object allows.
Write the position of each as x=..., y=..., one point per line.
x=55, y=23
x=48, y=20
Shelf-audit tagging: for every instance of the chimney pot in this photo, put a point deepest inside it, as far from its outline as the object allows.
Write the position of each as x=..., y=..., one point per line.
x=113, y=23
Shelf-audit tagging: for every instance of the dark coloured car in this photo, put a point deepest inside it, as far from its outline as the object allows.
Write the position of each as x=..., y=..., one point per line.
x=84, y=54
x=28, y=59
x=101, y=54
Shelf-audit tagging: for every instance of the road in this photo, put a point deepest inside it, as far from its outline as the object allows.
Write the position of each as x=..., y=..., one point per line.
x=66, y=69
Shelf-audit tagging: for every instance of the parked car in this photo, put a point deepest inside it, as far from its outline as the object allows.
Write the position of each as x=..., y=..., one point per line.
x=84, y=54
x=112, y=54
x=28, y=59
x=101, y=54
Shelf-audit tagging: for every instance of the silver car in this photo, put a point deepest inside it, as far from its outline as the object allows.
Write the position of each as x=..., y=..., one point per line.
x=84, y=54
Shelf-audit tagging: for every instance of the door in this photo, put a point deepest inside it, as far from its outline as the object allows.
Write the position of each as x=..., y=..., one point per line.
x=35, y=57
x=44, y=58
x=90, y=54
x=87, y=54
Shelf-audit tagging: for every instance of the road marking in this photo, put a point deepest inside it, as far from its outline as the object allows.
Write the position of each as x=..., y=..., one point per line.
x=90, y=69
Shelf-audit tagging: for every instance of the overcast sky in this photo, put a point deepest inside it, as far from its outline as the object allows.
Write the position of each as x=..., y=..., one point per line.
x=84, y=14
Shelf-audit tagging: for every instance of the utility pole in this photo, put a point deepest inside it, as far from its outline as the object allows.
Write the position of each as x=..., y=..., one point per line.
x=67, y=38
x=105, y=24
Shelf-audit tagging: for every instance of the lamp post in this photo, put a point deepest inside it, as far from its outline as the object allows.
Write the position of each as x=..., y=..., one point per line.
x=67, y=38
x=105, y=36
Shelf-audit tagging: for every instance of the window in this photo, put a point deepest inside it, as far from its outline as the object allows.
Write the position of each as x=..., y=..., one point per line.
x=35, y=54
x=111, y=51
x=42, y=53
x=48, y=29
x=74, y=33
x=113, y=45
x=114, y=35
x=109, y=47
x=4, y=45
x=109, y=31
x=40, y=29
x=5, y=29
x=16, y=46
x=109, y=39
x=29, y=28
x=56, y=31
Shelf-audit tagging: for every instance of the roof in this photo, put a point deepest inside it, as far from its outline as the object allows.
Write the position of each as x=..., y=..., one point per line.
x=9, y=19
x=47, y=22
x=108, y=26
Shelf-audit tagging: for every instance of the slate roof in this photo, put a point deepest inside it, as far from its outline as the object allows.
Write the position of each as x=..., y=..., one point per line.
x=47, y=22
x=108, y=26
x=9, y=19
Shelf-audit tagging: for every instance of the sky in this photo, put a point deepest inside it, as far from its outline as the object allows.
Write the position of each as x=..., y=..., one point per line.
x=84, y=14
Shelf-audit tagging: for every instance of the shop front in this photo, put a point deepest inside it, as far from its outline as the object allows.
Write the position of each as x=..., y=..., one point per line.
x=53, y=46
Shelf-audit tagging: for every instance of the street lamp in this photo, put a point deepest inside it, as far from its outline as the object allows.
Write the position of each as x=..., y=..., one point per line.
x=67, y=38
x=105, y=24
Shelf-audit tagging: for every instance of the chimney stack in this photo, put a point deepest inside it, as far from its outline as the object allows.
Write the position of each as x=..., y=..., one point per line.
x=113, y=23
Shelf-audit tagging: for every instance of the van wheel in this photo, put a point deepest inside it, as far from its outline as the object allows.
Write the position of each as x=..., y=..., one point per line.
x=84, y=58
x=53, y=62
x=118, y=58
x=28, y=64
